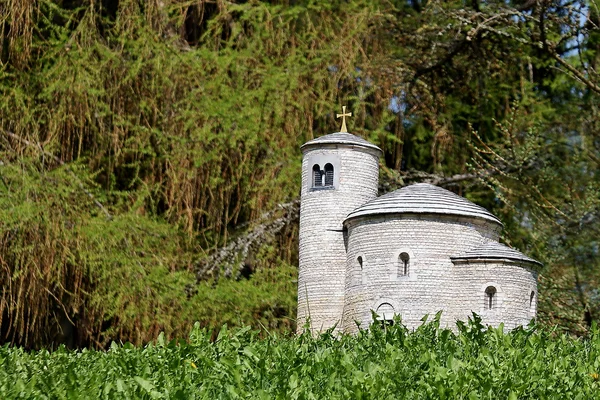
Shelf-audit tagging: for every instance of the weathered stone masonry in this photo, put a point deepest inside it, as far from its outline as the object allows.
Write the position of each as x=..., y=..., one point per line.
x=415, y=251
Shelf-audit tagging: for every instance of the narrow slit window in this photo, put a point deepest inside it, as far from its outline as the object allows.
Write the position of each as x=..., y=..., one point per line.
x=490, y=298
x=532, y=301
x=403, y=264
x=359, y=260
x=328, y=175
x=317, y=176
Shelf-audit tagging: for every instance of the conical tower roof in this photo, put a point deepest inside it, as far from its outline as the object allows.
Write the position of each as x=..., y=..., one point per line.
x=422, y=198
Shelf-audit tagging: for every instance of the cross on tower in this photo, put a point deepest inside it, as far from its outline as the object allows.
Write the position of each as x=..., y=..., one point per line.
x=343, y=115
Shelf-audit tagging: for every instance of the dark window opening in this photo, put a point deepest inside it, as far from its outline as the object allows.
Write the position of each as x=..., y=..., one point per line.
x=386, y=322
x=328, y=175
x=532, y=301
x=403, y=264
x=360, y=262
x=317, y=176
x=490, y=297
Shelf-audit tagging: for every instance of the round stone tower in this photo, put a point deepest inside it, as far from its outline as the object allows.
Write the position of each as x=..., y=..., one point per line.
x=340, y=172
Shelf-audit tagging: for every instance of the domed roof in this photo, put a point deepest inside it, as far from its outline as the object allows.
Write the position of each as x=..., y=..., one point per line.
x=340, y=138
x=494, y=251
x=422, y=198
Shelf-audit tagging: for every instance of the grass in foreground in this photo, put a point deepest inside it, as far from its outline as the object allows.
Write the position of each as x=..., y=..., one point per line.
x=390, y=363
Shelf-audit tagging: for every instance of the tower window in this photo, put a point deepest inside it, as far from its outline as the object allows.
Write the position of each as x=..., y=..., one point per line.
x=532, y=302
x=403, y=264
x=360, y=278
x=317, y=176
x=328, y=175
x=490, y=298
x=324, y=172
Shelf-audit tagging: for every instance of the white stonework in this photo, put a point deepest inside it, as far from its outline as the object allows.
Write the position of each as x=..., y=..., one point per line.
x=322, y=252
x=412, y=252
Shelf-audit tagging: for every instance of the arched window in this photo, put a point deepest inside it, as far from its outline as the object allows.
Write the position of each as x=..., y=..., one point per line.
x=403, y=264
x=532, y=302
x=317, y=177
x=385, y=314
x=490, y=298
x=328, y=175
x=359, y=260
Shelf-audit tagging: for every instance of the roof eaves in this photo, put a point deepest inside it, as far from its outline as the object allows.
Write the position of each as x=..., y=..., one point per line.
x=424, y=211
x=494, y=260
x=349, y=140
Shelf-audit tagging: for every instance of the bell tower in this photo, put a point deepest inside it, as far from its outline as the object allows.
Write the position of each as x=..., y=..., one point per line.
x=340, y=172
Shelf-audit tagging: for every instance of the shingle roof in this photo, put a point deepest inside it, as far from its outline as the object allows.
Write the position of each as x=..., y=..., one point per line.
x=341, y=138
x=494, y=251
x=422, y=198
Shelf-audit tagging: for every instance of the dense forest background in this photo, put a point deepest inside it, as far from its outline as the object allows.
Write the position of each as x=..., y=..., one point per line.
x=150, y=162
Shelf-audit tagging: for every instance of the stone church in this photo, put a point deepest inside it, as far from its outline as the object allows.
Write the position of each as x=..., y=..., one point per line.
x=411, y=252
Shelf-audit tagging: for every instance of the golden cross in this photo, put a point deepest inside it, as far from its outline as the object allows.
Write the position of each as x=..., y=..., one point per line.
x=344, y=115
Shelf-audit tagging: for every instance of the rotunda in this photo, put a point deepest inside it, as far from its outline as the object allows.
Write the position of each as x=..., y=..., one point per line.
x=409, y=253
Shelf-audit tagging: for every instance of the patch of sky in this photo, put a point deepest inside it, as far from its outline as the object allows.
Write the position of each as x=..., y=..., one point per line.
x=576, y=91
x=368, y=82
x=574, y=138
x=587, y=219
x=526, y=221
x=581, y=17
x=397, y=103
x=358, y=77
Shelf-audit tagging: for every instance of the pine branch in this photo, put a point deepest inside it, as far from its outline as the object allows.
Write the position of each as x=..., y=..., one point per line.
x=575, y=72
x=232, y=257
x=61, y=162
x=440, y=180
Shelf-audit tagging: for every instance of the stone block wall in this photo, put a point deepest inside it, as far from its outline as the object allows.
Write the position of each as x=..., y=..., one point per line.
x=514, y=284
x=322, y=252
x=429, y=286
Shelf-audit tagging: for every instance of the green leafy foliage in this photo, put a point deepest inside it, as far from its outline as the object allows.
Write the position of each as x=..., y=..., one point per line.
x=183, y=121
x=391, y=363
x=108, y=275
x=180, y=134
x=550, y=198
